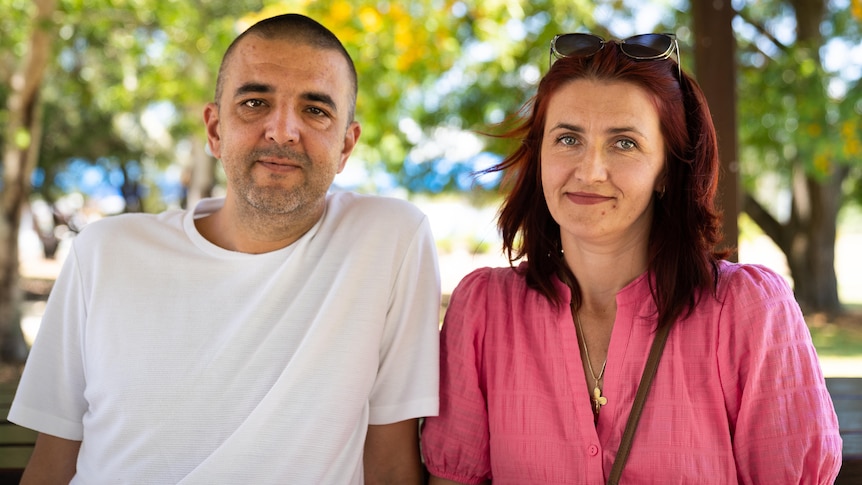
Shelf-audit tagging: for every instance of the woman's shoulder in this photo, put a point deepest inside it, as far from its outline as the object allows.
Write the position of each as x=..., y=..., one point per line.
x=492, y=279
x=754, y=280
x=501, y=291
x=489, y=304
x=755, y=298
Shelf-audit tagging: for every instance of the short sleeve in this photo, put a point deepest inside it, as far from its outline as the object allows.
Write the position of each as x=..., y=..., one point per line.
x=50, y=395
x=783, y=423
x=407, y=380
x=455, y=445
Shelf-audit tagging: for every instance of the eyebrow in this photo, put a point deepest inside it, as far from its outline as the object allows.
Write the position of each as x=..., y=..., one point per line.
x=321, y=98
x=613, y=131
x=260, y=88
x=567, y=127
x=253, y=88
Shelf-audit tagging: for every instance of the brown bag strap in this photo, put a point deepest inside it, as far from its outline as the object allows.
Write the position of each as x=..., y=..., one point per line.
x=637, y=406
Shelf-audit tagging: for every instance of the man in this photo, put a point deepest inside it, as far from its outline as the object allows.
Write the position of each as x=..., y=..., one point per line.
x=279, y=335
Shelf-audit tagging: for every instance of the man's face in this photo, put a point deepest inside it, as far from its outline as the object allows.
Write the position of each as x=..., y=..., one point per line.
x=281, y=127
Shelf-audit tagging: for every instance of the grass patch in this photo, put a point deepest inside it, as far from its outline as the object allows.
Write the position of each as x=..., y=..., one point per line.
x=837, y=337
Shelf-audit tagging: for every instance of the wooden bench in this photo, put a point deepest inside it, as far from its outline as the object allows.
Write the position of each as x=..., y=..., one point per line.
x=846, y=394
x=16, y=443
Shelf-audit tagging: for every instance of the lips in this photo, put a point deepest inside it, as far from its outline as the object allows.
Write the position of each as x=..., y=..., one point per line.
x=279, y=165
x=586, y=198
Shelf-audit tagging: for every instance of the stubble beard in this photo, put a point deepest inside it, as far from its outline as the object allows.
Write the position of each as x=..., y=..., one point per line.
x=276, y=199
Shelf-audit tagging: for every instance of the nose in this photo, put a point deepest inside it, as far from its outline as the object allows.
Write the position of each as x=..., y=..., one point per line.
x=592, y=168
x=283, y=126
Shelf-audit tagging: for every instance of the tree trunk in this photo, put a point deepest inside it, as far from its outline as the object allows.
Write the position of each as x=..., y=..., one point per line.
x=715, y=68
x=811, y=254
x=21, y=145
x=808, y=238
x=810, y=242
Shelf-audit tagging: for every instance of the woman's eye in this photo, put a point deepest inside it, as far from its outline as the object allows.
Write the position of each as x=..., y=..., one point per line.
x=567, y=140
x=626, y=144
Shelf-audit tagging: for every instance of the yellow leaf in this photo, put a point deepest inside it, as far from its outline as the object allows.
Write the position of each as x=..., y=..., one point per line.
x=848, y=128
x=22, y=138
x=370, y=19
x=821, y=163
x=341, y=12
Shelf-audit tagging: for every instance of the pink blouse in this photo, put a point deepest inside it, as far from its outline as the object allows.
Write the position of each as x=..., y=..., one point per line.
x=738, y=397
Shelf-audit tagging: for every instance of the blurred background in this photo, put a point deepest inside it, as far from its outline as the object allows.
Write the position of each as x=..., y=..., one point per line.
x=101, y=102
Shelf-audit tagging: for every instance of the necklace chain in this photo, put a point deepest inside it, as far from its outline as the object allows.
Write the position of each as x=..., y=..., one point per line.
x=597, y=398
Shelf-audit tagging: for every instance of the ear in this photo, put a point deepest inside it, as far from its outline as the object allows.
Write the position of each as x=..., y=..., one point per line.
x=212, y=125
x=661, y=181
x=351, y=136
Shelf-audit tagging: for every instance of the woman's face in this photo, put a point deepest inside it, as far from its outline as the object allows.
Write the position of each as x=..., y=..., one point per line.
x=602, y=158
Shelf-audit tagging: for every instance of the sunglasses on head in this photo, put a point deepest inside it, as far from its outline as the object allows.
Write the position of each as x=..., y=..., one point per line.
x=643, y=47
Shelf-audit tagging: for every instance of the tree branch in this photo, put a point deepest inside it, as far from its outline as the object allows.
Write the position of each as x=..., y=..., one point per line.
x=768, y=224
x=22, y=105
x=763, y=30
x=38, y=52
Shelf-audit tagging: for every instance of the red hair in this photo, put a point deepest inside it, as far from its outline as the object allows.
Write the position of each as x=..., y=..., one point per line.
x=686, y=224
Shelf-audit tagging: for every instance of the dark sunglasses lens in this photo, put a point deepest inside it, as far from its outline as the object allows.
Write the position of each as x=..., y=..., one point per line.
x=647, y=45
x=577, y=45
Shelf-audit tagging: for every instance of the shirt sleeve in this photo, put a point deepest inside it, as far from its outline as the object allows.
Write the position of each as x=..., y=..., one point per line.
x=50, y=396
x=455, y=445
x=408, y=377
x=783, y=423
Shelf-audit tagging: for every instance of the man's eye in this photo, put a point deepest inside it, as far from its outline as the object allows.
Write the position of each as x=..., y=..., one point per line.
x=316, y=111
x=253, y=103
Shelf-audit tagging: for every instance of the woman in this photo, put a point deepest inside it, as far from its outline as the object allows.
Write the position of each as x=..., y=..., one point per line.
x=612, y=206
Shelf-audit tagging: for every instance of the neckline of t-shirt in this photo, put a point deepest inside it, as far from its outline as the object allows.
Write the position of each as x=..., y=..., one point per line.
x=209, y=205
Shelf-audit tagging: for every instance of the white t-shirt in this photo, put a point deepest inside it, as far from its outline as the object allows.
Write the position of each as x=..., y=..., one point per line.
x=177, y=361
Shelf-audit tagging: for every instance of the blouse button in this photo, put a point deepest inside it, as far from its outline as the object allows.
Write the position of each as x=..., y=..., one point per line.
x=593, y=450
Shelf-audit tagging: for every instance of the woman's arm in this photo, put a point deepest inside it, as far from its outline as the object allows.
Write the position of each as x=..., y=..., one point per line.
x=782, y=419
x=442, y=481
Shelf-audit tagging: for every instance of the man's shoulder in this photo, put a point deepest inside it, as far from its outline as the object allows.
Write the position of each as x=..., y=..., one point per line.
x=130, y=225
x=354, y=204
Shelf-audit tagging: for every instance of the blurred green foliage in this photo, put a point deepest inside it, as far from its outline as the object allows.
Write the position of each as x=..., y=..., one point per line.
x=424, y=64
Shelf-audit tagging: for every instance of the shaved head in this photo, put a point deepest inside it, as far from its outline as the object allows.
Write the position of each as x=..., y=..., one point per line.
x=300, y=29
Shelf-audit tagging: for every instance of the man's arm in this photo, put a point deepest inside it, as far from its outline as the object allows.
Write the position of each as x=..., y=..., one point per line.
x=392, y=454
x=54, y=461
